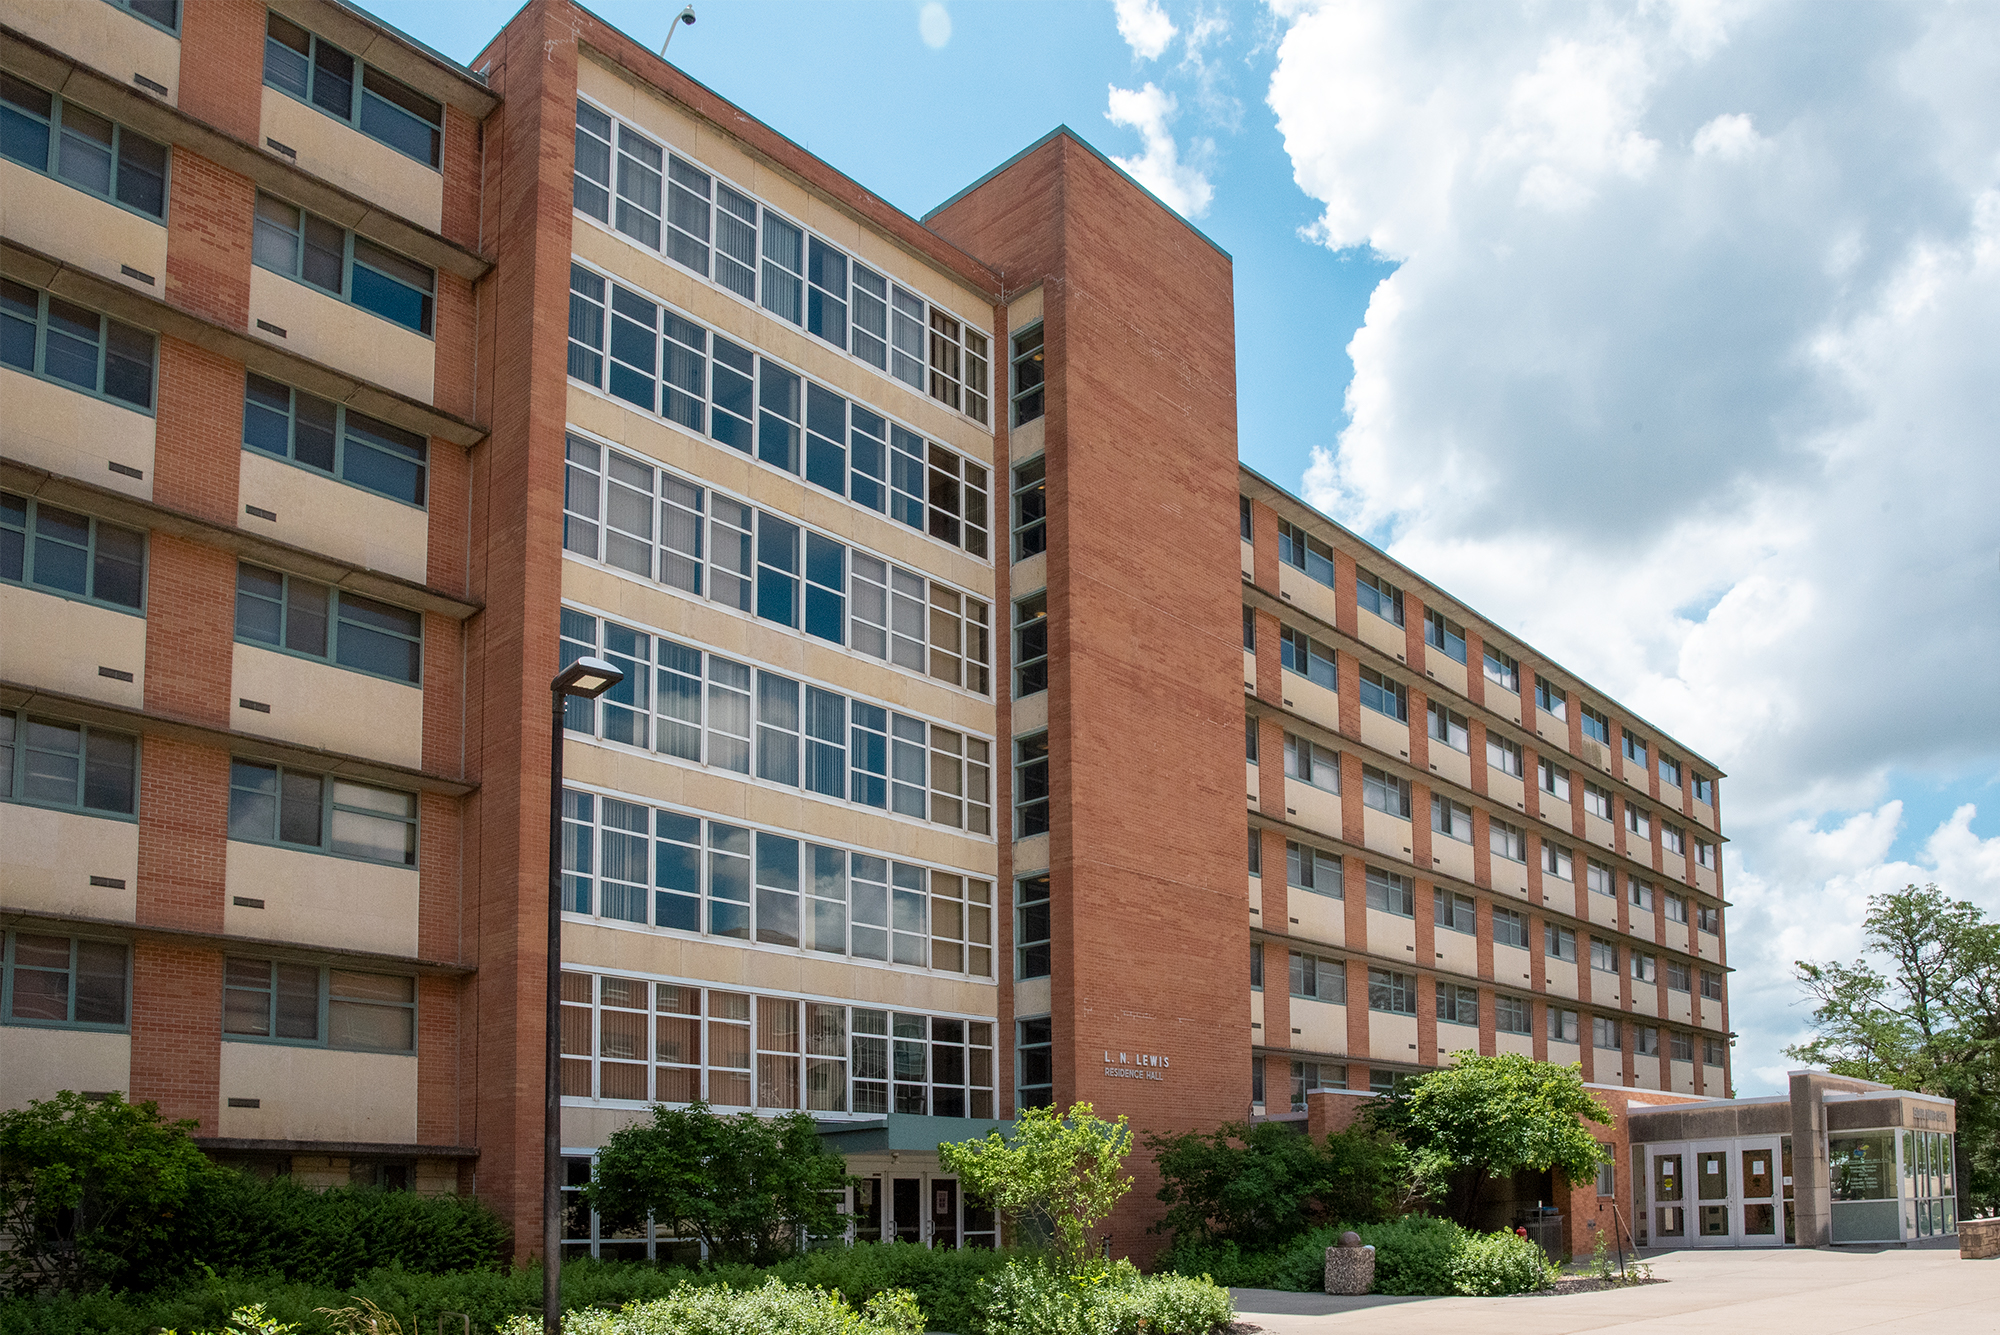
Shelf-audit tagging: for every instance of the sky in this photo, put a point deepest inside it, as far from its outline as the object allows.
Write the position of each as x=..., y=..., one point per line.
x=1666, y=334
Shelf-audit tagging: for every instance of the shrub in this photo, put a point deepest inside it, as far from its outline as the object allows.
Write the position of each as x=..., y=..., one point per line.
x=1261, y=1186
x=1066, y=1168
x=1028, y=1298
x=775, y=1308
x=1496, y=1263
x=1412, y=1255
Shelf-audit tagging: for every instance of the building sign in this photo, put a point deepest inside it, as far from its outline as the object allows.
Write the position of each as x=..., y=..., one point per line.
x=1136, y=1065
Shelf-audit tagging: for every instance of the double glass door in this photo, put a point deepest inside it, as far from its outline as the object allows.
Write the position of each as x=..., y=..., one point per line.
x=1718, y=1194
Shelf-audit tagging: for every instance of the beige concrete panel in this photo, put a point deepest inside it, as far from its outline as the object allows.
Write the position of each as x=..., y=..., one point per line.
x=1457, y=952
x=89, y=233
x=1603, y=909
x=1025, y=309
x=42, y=1062
x=1704, y=814
x=1600, y=831
x=1391, y=936
x=1553, y=731
x=1249, y=672
x=589, y=1126
x=1565, y=1054
x=335, y=151
x=1031, y=996
x=1561, y=977
x=1313, y=701
x=1451, y=856
x=1505, y=789
x=1631, y=771
x=1449, y=765
x=1249, y=559
x=1030, y=574
x=1509, y=875
x=1389, y=736
x=48, y=857
x=1680, y=1007
x=75, y=434
x=1385, y=834
x=1392, y=1037
x=345, y=337
x=1314, y=917
x=318, y=1094
x=1704, y=879
x=606, y=949
x=316, y=899
x=60, y=643
x=1030, y=715
x=1646, y=1072
x=1318, y=1026
x=1444, y=670
x=1640, y=924
x=322, y=514
x=1256, y=1013
x=1594, y=753
x=1250, y=781
x=1314, y=808
x=1303, y=591
x=1024, y=442
x=1707, y=946
x=1645, y=999
x=1256, y=894
x=1511, y=966
x=1031, y=854
x=1556, y=813
x=1712, y=1079
x=1523, y=1044
x=1680, y=936
x=1384, y=635
x=1683, y=1077
x=318, y=704
x=106, y=39
x=705, y=461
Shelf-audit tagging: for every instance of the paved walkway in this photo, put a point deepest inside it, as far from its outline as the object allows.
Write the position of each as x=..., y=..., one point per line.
x=1787, y=1291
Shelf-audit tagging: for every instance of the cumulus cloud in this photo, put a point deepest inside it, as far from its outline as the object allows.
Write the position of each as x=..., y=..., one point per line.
x=1719, y=440
x=1144, y=26
x=934, y=25
x=1182, y=186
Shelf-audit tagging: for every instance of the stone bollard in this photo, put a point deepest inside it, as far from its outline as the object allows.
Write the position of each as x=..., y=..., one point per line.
x=1350, y=1267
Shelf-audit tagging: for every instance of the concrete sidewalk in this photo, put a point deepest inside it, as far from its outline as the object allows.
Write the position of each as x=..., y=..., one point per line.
x=1787, y=1291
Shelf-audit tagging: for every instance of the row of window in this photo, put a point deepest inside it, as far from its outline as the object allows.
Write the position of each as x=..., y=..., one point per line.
x=70, y=766
x=320, y=621
x=699, y=706
x=649, y=355
x=702, y=223
x=315, y=71
x=61, y=551
x=334, y=439
x=341, y=263
x=627, y=862
x=655, y=524
x=72, y=345
x=631, y=1039
x=48, y=133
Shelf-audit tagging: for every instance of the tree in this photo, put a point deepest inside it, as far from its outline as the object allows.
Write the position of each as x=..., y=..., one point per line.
x=1931, y=1023
x=1261, y=1186
x=749, y=1187
x=1066, y=1169
x=87, y=1188
x=1487, y=1117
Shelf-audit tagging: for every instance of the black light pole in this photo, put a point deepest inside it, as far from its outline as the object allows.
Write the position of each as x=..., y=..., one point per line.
x=587, y=678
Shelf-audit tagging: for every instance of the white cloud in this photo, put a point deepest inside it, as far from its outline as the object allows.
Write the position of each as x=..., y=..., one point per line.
x=1144, y=26
x=1720, y=441
x=934, y=25
x=1181, y=186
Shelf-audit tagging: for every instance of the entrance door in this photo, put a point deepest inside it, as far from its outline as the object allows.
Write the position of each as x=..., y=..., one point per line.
x=1669, y=1222
x=1714, y=1194
x=906, y=1209
x=944, y=1213
x=1759, y=1218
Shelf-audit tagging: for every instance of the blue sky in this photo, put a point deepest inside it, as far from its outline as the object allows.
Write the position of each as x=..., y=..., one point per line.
x=1659, y=332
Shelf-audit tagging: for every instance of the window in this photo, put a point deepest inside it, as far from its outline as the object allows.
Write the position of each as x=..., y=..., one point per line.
x=164, y=13
x=1646, y=1040
x=273, y=804
x=1031, y=645
x=1035, y=1063
x=1319, y=979
x=289, y=423
x=1030, y=376
x=1670, y=770
x=1453, y=912
x=1310, y=658
x=70, y=981
x=1645, y=968
x=1707, y=917
x=1557, y=861
x=958, y=362
x=290, y=241
x=53, y=136
x=63, y=552
x=1597, y=801
x=1382, y=1081
x=1673, y=839
x=1512, y=1015
x=1677, y=976
x=1249, y=631
x=1562, y=1026
x=1510, y=927
x=48, y=337
x=1711, y=985
x=1603, y=955
x=1550, y=698
x=1250, y=739
x=1635, y=748
x=1385, y=792
x=1031, y=508
x=312, y=620
x=1256, y=853
x=1391, y=893
x=1680, y=1045
x=1554, y=779
x=1596, y=726
x=1385, y=695
x=1503, y=755
x=1257, y=1081
x=1377, y=595
x=1712, y=1051
x=1502, y=670
x=1599, y=878
x=1309, y=868
x=1704, y=789
x=1607, y=1179
x=1243, y=520
x=1451, y=819
x=1677, y=907
x=72, y=766
x=1604, y=1033
x=1311, y=763
x=1391, y=991
x=1447, y=726
x=1256, y=966
x=1507, y=841
x=1457, y=1005
x=1704, y=853
x=1309, y=1076
x=318, y=1006
x=1302, y=551
x=1031, y=785
x=1445, y=635
x=1642, y=894
x=1558, y=942
x=1638, y=821
x=321, y=74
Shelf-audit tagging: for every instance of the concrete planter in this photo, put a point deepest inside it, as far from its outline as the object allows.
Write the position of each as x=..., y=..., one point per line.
x=1350, y=1268
x=1977, y=1239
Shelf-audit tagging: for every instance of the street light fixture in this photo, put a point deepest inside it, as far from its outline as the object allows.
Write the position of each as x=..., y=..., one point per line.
x=586, y=678
x=685, y=16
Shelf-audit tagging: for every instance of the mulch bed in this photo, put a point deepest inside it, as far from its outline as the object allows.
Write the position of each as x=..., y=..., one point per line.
x=1585, y=1284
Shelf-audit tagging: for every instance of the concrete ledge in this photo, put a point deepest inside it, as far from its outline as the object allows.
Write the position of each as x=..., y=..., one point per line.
x=1978, y=1239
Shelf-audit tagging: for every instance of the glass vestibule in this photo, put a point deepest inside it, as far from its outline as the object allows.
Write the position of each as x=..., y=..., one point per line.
x=1891, y=1185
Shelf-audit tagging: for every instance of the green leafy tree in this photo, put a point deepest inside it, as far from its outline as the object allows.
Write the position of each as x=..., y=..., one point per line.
x=1261, y=1186
x=87, y=1187
x=1067, y=1169
x=1930, y=1022
x=750, y=1187
x=1488, y=1117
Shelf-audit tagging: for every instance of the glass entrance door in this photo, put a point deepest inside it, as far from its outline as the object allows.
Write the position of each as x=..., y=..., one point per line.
x=944, y=1212
x=1713, y=1183
x=1669, y=1224
x=1758, y=1221
x=906, y=1209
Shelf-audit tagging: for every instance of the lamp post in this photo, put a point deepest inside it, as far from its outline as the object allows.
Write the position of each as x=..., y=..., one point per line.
x=586, y=678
